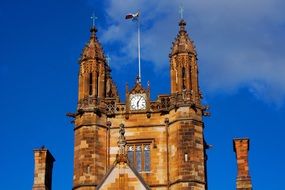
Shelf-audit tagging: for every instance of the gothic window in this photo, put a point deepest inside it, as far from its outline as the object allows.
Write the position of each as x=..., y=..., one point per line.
x=90, y=84
x=97, y=85
x=139, y=156
x=183, y=78
x=190, y=77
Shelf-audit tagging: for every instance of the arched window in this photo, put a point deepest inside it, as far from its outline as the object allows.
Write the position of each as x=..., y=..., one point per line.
x=90, y=84
x=183, y=78
x=139, y=156
x=97, y=85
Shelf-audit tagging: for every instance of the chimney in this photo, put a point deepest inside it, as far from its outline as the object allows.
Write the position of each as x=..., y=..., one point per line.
x=241, y=147
x=43, y=169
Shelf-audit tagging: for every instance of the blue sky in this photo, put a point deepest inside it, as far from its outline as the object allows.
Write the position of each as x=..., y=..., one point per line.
x=240, y=48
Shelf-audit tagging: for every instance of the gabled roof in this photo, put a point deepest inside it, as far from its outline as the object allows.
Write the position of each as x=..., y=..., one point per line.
x=122, y=175
x=138, y=89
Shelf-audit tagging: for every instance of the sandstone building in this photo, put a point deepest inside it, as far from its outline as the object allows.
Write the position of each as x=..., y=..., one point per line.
x=140, y=143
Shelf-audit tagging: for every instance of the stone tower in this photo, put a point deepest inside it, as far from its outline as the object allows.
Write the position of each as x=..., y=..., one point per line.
x=91, y=130
x=164, y=138
x=186, y=127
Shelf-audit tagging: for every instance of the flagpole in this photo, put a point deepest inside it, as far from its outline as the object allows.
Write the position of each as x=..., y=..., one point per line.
x=139, y=49
x=135, y=17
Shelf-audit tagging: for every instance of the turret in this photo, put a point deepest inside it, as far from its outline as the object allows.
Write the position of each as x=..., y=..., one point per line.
x=95, y=82
x=183, y=66
x=187, y=160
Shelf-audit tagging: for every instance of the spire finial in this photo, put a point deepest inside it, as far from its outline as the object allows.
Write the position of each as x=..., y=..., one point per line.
x=93, y=18
x=138, y=79
x=181, y=11
x=93, y=29
x=182, y=25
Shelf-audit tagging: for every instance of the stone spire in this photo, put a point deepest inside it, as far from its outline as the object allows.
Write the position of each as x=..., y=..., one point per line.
x=93, y=48
x=184, y=68
x=183, y=43
x=95, y=82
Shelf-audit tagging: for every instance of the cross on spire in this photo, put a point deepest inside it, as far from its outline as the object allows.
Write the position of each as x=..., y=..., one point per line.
x=93, y=18
x=181, y=11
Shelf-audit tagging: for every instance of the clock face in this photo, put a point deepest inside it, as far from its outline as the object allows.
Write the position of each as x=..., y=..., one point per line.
x=137, y=101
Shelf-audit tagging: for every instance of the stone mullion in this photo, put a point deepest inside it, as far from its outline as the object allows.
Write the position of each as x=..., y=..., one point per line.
x=85, y=85
x=188, y=74
x=135, y=156
x=92, y=79
x=95, y=80
x=101, y=79
x=80, y=87
x=173, y=77
x=190, y=79
x=142, y=158
x=195, y=81
x=179, y=75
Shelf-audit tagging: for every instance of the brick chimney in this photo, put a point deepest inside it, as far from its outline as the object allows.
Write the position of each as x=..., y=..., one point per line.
x=43, y=169
x=241, y=147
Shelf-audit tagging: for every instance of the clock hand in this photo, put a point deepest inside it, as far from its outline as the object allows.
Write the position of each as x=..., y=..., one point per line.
x=138, y=102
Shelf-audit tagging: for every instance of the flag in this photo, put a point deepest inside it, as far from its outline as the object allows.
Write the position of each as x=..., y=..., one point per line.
x=134, y=16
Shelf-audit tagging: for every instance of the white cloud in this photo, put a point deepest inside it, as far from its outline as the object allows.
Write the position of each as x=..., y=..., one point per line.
x=239, y=43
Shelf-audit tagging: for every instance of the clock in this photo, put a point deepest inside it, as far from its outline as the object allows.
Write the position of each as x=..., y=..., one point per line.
x=137, y=101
